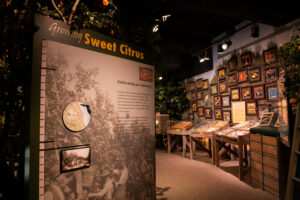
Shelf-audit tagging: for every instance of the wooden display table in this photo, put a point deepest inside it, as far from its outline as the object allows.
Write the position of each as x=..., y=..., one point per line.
x=206, y=131
x=175, y=132
x=242, y=140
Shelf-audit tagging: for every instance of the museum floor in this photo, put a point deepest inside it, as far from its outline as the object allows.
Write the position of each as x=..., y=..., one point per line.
x=179, y=178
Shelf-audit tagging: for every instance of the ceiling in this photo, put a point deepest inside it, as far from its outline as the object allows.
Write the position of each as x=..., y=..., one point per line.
x=194, y=23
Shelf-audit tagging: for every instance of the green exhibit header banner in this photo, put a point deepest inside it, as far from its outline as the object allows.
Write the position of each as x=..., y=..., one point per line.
x=59, y=31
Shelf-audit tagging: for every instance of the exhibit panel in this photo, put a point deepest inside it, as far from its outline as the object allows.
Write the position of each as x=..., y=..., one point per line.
x=96, y=132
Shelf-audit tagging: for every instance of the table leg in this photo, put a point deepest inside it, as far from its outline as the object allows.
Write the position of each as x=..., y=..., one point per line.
x=212, y=149
x=169, y=143
x=241, y=163
x=191, y=147
x=183, y=145
x=217, y=153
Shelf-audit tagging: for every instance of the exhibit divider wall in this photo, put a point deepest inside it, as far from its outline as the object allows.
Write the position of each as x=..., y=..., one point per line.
x=92, y=116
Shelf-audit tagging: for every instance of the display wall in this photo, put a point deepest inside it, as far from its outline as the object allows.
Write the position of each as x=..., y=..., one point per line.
x=95, y=138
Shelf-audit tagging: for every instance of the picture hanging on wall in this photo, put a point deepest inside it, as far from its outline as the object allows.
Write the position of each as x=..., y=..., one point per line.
x=199, y=95
x=271, y=75
x=222, y=73
x=270, y=56
x=199, y=84
x=227, y=115
x=259, y=92
x=218, y=114
x=205, y=84
x=194, y=96
x=194, y=107
x=251, y=108
x=223, y=87
x=243, y=76
x=235, y=94
x=201, y=111
x=214, y=89
x=77, y=158
x=217, y=101
x=232, y=64
x=191, y=117
x=226, y=101
x=272, y=93
x=207, y=113
x=192, y=86
x=266, y=119
x=255, y=74
x=246, y=93
x=232, y=79
x=246, y=59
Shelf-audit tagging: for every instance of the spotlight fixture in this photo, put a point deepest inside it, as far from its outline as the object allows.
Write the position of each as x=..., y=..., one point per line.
x=201, y=59
x=226, y=44
x=160, y=78
x=220, y=50
x=205, y=56
x=155, y=28
x=165, y=17
x=255, y=30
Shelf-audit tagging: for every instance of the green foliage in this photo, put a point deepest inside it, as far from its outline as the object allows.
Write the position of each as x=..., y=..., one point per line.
x=289, y=57
x=170, y=98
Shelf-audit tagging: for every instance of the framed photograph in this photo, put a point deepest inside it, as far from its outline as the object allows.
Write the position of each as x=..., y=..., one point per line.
x=207, y=113
x=205, y=84
x=272, y=93
x=217, y=101
x=270, y=56
x=259, y=92
x=199, y=95
x=266, y=119
x=232, y=80
x=255, y=74
x=227, y=115
x=251, y=108
x=235, y=94
x=199, y=84
x=214, y=89
x=201, y=111
x=271, y=75
x=77, y=158
x=223, y=87
x=194, y=107
x=194, y=96
x=243, y=76
x=222, y=73
x=191, y=117
x=246, y=59
x=226, y=101
x=218, y=114
x=232, y=63
x=192, y=86
x=246, y=93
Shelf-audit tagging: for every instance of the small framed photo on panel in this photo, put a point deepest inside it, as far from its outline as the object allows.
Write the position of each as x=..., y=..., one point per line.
x=77, y=158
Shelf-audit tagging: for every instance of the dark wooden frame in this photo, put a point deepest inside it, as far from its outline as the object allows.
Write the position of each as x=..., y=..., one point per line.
x=208, y=117
x=232, y=99
x=205, y=80
x=259, y=76
x=224, y=76
x=250, y=89
x=270, y=116
x=276, y=75
x=238, y=75
x=192, y=89
x=273, y=51
x=215, y=111
x=250, y=58
x=268, y=93
x=234, y=61
x=214, y=85
x=224, y=106
x=202, y=107
x=197, y=81
x=223, y=91
x=200, y=91
x=236, y=79
x=253, y=92
x=247, y=112
x=195, y=103
x=214, y=98
x=224, y=111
